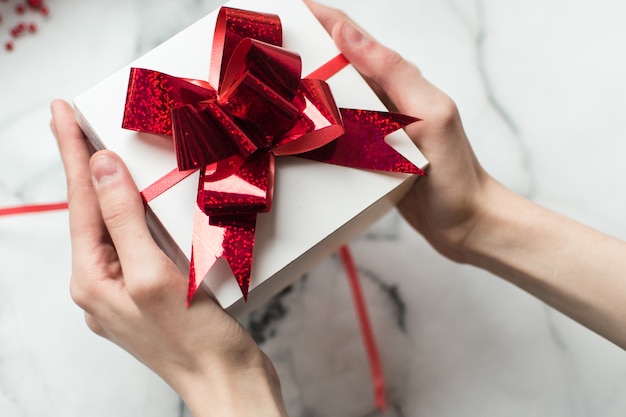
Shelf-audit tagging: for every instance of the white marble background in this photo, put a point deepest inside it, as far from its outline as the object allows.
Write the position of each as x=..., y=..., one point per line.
x=541, y=86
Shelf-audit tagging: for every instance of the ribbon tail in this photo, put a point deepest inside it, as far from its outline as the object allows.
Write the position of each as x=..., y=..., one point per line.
x=206, y=249
x=232, y=204
x=363, y=143
x=238, y=246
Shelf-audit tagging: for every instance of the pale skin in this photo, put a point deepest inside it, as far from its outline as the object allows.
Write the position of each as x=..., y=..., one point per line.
x=135, y=296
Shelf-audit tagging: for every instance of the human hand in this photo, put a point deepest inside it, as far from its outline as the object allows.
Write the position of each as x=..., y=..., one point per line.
x=446, y=205
x=134, y=295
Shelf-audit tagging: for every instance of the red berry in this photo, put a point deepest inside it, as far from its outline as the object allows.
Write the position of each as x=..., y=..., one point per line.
x=44, y=10
x=19, y=9
x=35, y=4
x=17, y=30
x=8, y=46
x=32, y=28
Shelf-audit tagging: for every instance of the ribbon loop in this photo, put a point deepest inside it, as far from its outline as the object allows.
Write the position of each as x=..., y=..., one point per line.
x=204, y=133
x=234, y=25
x=276, y=67
x=318, y=124
x=259, y=107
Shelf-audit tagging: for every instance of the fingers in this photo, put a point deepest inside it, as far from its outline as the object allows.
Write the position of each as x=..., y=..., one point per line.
x=398, y=82
x=85, y=224
x=327, y=16
x=70, y=139
x=123, y=212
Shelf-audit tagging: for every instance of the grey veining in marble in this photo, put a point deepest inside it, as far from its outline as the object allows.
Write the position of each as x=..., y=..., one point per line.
x=541, y=87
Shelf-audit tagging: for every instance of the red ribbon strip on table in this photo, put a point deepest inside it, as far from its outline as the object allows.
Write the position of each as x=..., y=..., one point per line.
x=369, y=340
x=260, y=108
x=33, y=208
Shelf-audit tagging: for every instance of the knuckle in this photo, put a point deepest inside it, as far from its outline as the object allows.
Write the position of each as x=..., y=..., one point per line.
x=84, y=288
x=390, y=67
x=94, y=325
x=151, y=284
x=77, y=188
x=146, y=290
x=115, y=212
x=388, y=64
x=340, y=15
x=445, y=111
x=392, y=60
x=80, y=293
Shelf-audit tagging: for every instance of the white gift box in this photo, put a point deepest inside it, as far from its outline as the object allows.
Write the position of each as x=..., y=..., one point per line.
x=317, y=207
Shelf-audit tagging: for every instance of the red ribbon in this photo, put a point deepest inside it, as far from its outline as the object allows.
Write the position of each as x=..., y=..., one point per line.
x=260, y=109
x=369, y=340
x=32, y=208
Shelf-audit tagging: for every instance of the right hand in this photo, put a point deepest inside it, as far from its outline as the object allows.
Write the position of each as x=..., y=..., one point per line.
x=445, y=206
x=470, y=217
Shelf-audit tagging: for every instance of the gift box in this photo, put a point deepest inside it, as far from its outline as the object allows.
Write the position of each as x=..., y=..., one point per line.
x=316, y=206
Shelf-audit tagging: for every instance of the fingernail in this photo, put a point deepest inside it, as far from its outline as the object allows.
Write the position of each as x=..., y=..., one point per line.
x=352, y=35
x=54, y=107
x=104, y=169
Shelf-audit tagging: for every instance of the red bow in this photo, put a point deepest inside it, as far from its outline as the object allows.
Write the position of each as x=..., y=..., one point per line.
x=260, y=109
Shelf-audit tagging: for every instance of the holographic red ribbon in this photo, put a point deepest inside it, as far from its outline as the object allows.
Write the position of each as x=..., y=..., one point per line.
x=260, y=109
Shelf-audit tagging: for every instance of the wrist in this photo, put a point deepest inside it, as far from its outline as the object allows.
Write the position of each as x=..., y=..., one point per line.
x=484, y=212
x=496, y=220
x=221, y=389
x=507, y=234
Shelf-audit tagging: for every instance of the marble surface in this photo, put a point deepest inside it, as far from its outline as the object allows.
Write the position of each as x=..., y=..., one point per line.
x=542, y=91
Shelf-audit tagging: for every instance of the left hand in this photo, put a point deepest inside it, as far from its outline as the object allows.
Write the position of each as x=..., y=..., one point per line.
x=134, y=295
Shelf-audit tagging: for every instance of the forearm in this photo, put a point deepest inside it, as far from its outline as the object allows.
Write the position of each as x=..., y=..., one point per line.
x=575, y=269
x=226, y=391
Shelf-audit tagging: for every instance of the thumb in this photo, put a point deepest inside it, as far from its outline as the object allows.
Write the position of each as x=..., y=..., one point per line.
x=122, y=209
x=398, y=83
